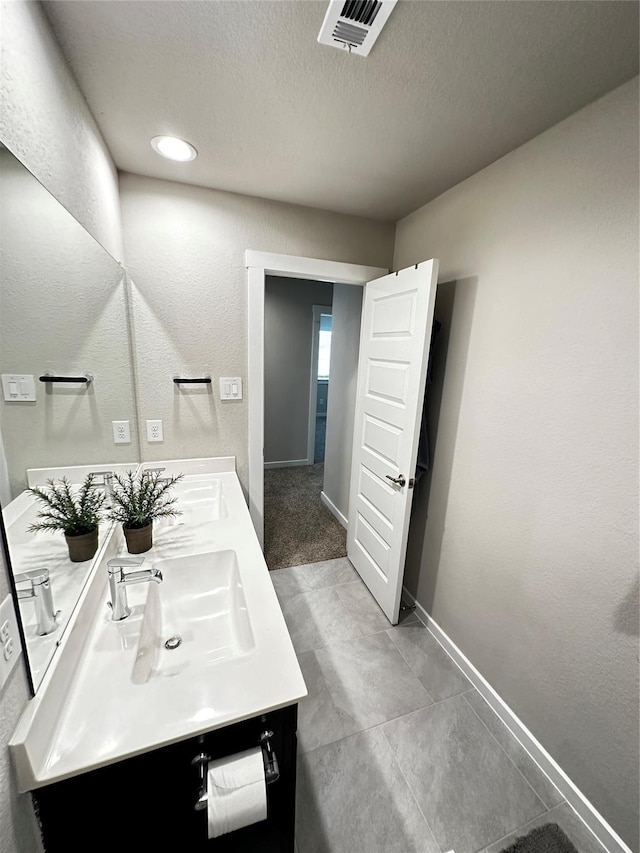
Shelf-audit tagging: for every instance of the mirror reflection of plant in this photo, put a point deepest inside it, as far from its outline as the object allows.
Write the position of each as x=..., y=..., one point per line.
x=138, y=500
x=74, y=514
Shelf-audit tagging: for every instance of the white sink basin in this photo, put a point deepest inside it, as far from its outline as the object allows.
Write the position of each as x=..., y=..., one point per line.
x=200, y=608
x=202, y=497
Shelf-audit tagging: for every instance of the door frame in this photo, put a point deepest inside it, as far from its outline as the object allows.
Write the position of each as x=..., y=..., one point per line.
x=259, y=265
x=317, y=312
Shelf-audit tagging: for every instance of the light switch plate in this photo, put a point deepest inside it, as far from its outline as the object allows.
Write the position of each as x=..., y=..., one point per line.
x=230, y=388
x=18, y=388
x=10, y=646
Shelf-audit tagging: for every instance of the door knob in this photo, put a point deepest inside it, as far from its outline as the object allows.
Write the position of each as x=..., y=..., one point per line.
x=399, y=481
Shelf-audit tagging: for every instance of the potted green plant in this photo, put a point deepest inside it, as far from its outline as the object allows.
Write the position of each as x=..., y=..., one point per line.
x=77, y=515
x=137, y=501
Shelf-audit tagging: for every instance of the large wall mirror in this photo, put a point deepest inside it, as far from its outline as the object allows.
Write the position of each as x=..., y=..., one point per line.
x=63, y=315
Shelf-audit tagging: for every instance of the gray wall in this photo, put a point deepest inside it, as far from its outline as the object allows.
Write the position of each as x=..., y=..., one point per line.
x=185, y=248
x=529, y=554
x=49, y=127
x=63, y=310
x=46, y=123
x=345, y=343
x=288, y=314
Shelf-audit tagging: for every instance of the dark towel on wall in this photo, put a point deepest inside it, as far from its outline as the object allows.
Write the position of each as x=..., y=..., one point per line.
x=423, y=461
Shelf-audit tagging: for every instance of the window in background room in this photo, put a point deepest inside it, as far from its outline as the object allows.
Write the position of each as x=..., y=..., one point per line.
x=324, y=346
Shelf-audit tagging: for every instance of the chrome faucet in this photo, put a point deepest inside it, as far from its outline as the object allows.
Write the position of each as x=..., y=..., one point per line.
x=118, y=582
x=40, y=593
x=107, y=483
x=148, y=471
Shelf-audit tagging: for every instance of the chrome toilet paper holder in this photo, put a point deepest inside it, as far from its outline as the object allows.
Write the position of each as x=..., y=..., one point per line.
x=271, y=769
x=202, y=759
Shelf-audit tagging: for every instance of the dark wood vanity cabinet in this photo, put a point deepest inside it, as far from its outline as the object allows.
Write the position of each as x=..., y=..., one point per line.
x=147, y=803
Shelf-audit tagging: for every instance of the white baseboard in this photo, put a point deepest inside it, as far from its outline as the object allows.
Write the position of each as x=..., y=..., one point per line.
x=576, y=799
x=334, y=510
x=287, y=463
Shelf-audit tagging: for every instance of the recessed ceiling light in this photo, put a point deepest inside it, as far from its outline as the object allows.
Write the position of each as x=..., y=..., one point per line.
x=174, y=148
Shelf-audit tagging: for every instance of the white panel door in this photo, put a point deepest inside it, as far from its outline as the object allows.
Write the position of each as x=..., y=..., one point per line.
x=397, y=315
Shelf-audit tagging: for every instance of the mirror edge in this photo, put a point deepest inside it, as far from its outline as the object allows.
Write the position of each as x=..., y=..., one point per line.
x=14, y=594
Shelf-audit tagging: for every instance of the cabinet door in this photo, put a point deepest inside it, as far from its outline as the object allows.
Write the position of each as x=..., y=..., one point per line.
x=148, y=802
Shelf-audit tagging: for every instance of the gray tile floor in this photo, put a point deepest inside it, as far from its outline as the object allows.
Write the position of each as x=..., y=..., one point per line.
x=398, y=753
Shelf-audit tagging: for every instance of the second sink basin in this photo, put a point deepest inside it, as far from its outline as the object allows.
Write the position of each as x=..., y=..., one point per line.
x=204, y=496
x=195, y=618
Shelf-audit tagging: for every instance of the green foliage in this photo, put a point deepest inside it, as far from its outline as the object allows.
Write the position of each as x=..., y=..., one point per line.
x=138, y=500
x=73, y=514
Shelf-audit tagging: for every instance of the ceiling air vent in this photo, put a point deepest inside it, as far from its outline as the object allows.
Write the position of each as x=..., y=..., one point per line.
x=355, y=25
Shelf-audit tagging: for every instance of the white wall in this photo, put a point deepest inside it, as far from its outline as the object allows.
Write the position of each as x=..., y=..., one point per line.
x=288, y=314
x=345, y=343
x=45, y=121
x=185, y=248
x=529, y=558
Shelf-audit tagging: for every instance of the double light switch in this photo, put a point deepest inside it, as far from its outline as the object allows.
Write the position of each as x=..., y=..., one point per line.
x=230, y=388
x=18, y=388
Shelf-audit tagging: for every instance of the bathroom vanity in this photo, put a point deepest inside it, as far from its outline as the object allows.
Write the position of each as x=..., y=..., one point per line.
x=116, y=743
x=149, y=802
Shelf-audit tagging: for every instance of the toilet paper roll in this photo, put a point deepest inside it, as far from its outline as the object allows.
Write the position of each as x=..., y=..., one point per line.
x=237, y=792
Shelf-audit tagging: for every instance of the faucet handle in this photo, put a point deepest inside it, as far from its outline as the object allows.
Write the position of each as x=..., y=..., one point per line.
x=124, y=563
x=107, y=478
x=148, y=471
x=34, y=576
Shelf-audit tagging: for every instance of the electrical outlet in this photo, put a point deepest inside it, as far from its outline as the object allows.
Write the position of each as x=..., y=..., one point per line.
x=121, y=432
x=10, y=647
x=155, y=431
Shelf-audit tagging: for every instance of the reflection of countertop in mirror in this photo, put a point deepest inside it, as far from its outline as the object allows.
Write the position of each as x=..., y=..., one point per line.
x=116, y=692
x=31, y=551
x=43, y=550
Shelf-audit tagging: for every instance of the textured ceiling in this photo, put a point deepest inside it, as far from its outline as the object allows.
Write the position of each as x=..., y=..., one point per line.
x=448, y=88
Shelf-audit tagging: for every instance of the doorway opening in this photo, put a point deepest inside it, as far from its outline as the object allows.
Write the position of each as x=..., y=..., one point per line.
x=352, y=278
x=299, y=529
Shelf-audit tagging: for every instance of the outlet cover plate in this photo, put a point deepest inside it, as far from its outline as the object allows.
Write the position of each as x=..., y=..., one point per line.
x=10, y=646
x=121, y=432
x=155, y=431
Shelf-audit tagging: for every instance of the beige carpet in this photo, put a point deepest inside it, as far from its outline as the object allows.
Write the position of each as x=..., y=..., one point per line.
x=298, y=528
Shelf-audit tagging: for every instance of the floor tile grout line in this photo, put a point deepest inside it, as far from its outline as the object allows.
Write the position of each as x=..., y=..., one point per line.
x=415, y=673
x=409, y=788
x=384, y=722
x=519, y=828
x=378, y=611
x=537, y=795
x=313, y=588
x=431, y=704
x=546, y=810
x=454, y=661
x=358, y=637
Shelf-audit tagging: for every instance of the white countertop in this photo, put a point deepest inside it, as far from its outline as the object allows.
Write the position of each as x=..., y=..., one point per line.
x=90, y=713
